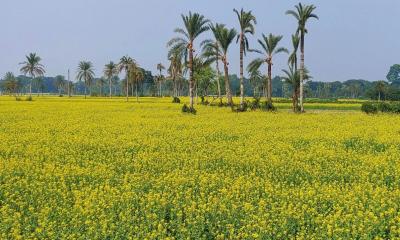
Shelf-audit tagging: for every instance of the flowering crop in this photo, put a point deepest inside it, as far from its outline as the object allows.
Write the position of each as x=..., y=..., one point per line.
x=98, y=169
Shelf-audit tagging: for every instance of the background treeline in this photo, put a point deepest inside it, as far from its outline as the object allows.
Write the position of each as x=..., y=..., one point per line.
x=151, y=86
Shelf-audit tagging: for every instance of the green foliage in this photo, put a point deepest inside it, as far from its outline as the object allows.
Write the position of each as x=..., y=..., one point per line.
x=176, y=100
x=187, y=109
x=268, y=106
x=394, y=74
x=369, y=108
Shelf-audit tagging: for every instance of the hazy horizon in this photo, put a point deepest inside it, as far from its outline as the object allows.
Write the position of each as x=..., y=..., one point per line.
x=352, y=40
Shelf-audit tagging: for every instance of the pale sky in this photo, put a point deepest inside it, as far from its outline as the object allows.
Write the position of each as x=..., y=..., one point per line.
x=352, y=39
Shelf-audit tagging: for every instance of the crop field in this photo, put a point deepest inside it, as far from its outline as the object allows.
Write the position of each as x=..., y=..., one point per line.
x=106, y=169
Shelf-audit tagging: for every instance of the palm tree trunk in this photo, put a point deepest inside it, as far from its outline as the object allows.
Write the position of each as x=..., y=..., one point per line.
x=85, y=91
x=109, y=82
x=241, y=70
x=227, y=84
x=127, y=87
x=269, y=82
x=301, y=71
x=30, y=88
x=191, y=80
x=137, y=96
x=218, y=83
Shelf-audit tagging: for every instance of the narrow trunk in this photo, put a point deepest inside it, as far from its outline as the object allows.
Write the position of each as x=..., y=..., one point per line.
x=85, y=91
x=218, y=75
x=109, y=82
x=301, y=71
x=227, y=84
x=270, y=81
x=137, y=97
x=30, y=88
x=127, y=87
x=191, y=80
x=241, y=70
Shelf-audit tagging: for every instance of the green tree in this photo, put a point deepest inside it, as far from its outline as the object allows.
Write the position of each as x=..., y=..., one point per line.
x=256, y=80
x=247, y=21
x=11, y=84
x=175, y=69
x=86, y=73
x=292, y=77
x=160, y=68
x=110, y=70
x=195, y=24
x=269, y=45
x=225, y=38
x=302, y=14
x=124, y=65
x=393, y=75
x=33, y=68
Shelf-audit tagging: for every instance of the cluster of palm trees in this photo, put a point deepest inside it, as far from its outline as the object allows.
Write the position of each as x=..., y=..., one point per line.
x=133, y=74
x=181, y=51
x=33, y=68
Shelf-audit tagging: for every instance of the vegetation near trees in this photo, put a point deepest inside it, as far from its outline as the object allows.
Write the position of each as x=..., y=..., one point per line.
x=33, y=68
x=125, y=64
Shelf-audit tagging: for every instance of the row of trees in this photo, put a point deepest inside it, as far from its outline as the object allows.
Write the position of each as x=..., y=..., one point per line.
x=181, y=49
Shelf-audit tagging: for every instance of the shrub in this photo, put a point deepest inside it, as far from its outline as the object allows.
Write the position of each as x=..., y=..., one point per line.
x=240, y=108
x=268, y=106
x=395, y=107
x=385, y=107
x=176, y=100
x=187, y=109
x=369, y=108
x=18, y=99
x=255, y=104
x=29, y=99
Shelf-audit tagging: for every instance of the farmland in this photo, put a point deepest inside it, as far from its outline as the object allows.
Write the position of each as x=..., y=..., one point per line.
x=104, y=168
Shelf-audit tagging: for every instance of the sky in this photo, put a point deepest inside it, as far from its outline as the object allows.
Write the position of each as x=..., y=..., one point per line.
x=353, y=39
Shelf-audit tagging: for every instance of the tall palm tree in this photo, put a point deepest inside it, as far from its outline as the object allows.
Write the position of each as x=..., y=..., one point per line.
x=269, y=45
x=225, y=38
x=211, y=52
x=247, y=21
x=139, y=78
x=302, y=14
x=86, y=73
x=292, y=77
x=100, y=82
x=195, y=25
x=160, y=68
x=33, y=68
x=110, y=70
x=124, y=65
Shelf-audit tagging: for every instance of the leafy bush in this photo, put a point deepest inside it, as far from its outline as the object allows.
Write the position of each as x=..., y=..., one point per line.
x=268, y=106
x=395, y=107
x=29, y=99
x=240, y=108
x=385, y=107
x=255, y=104
x=369, y=108
x=187, y=109
x=176, y=100
x=18, y=99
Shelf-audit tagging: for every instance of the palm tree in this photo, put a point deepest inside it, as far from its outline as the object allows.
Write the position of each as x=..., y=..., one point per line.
x=110, y=70
x=256, y=80
x=10, y=83
x=33, y=68
x=292, y=77
x=292, y=61
x=195, y=25
x=101, y=81
x=269, y=45
x=302, y=15
x=175, y=70
x=85, y=72
x=124, y=65
x=247, y=21
x=59, y=80
x=139, y=78
x=211, y=53
x=160, y=68
x=225, y=37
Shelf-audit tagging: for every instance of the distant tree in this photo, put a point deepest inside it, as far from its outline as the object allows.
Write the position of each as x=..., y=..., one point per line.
x=269, y=45
x=195, y=25
x=302, y=14
x=393, y=75
x=86, y=72
x=124, y=65
x=247, y=21
x=110, y=70
x=257, y=81
x=175, y=70
x=59, y=82
x=100, y=82
x=33, y=68
x=11, y=84
x=160, y=78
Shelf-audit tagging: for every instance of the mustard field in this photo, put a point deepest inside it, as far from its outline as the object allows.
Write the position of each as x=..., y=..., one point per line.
x=107, y=169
